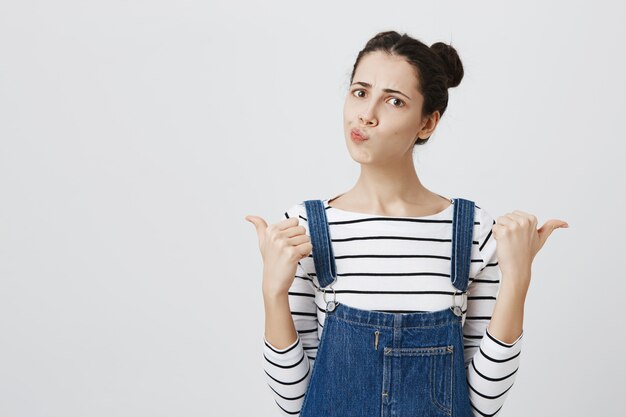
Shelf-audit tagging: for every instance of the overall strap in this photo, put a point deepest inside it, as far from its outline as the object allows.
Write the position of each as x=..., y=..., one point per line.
x=462, y=235
x=323, y=258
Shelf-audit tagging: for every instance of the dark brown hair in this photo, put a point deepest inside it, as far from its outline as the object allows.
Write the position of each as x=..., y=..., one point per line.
x=437, y=67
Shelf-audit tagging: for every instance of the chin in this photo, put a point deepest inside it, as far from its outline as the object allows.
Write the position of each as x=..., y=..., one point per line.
x=359, y=156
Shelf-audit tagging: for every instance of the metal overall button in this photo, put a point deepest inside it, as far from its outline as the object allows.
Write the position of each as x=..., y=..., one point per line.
x=458, y=309
x=330, y=304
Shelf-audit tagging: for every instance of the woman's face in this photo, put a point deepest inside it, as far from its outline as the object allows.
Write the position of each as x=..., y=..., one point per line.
x=390, y=120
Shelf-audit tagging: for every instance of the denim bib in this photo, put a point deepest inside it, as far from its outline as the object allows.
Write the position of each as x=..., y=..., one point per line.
x=379, y=364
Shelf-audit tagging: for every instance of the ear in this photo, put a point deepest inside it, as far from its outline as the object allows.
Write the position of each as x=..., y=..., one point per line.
x=429, y=125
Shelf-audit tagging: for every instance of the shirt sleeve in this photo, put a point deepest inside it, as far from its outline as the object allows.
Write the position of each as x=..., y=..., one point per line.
x=491, y=364
x=288, y=370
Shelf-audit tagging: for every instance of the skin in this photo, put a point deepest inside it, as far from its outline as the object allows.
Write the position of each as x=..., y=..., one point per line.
x=388, y=185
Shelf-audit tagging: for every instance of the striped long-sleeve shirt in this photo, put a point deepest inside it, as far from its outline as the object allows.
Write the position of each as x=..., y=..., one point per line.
x=381, y=263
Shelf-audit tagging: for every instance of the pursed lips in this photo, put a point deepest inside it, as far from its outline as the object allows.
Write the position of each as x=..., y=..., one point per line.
x=359, y=133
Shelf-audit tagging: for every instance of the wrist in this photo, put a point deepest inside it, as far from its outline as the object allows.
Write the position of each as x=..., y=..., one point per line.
x=273, y=293
x=511, y=290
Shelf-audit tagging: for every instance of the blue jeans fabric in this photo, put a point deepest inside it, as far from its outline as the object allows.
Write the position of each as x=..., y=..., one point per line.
x=373, y=363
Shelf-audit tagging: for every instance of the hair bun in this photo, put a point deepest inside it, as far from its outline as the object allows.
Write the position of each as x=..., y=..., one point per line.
x=451, y=62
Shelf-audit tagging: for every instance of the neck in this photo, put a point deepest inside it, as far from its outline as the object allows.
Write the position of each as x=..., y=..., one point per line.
x=385, y=189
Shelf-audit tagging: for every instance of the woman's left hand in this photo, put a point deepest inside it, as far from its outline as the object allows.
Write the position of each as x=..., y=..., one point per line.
x=518, y=241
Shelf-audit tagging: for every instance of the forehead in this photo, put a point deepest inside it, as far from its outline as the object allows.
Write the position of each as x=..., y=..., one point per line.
x=387, y=71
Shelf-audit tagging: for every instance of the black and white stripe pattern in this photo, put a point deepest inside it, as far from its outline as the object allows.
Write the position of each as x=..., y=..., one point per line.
x=397, y=264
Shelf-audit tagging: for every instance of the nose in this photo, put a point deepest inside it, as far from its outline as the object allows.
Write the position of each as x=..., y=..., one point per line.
x=366, y=119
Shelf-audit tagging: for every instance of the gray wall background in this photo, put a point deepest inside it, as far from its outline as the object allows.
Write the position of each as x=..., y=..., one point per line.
x=136, y=135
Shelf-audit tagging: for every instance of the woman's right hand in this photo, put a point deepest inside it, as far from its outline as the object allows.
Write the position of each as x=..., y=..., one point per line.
x=282, y=246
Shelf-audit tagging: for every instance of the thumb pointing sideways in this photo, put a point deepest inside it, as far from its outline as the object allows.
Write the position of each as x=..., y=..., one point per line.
x=547, y=229
x=259, y=223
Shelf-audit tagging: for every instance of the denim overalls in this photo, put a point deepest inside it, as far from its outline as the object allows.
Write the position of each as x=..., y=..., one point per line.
x=378, y=364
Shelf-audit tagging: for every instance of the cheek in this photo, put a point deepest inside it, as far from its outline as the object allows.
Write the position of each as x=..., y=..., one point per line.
x=348, y=111
x=346, y=119
x=406, y=127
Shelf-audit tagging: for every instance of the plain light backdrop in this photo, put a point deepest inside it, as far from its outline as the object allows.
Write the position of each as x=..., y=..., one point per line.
x=135, y=136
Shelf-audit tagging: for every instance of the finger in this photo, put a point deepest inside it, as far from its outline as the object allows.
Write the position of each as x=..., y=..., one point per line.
x=496, y=229
x=554, y=224
x=530, y=216
x=305, y=249
x=294, y=231
x=523, y=218
x=501, y=225
x=547, y=229
x=259, y=223
x=298, y=240
x=506, y=220
x=286, y=223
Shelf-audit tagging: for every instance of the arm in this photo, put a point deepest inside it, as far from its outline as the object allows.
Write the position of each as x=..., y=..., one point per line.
x=288, y=369
x=491, y=360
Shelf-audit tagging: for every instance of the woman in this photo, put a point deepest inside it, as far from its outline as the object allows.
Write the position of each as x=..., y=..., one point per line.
x=390, y=328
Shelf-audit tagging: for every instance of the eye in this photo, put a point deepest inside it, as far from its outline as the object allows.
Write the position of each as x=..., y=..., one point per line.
x=393, y=98
x=355, y=92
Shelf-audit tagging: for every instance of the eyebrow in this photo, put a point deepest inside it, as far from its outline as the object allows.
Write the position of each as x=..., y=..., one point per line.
x=386, y=90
